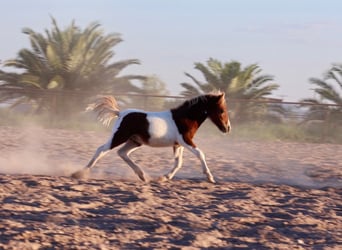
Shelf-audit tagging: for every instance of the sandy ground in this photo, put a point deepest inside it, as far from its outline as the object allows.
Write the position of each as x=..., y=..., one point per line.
x=270, y=195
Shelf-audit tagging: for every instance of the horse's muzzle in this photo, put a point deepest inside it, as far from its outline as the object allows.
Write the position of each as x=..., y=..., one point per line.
x=226, y=129
x=229, y=128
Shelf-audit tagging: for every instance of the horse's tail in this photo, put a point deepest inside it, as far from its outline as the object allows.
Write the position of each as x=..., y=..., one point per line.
x=106, y=108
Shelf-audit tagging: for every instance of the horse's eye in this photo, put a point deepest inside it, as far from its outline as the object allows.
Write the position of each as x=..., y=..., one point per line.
x=221, y=111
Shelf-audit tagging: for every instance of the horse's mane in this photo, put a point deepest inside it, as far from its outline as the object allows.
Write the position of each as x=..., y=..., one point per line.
x=202, y=98
x=195, y=100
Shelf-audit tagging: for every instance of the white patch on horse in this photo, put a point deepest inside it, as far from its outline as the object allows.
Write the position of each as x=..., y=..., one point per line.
x=162, y=129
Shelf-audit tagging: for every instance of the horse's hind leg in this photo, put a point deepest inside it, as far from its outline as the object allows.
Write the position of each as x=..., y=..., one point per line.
x=124, y=153
x=100, y=152
x=178, y=152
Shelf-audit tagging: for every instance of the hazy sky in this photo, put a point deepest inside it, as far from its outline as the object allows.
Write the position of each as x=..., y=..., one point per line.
x=290, y=39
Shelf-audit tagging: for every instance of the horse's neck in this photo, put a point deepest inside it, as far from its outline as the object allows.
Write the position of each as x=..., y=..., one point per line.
x=193, y=113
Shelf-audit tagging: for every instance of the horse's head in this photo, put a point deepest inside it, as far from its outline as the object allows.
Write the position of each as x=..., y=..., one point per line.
x=218, y=113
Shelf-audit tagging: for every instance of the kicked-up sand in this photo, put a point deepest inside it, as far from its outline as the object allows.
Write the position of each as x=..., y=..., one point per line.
x=269, y=195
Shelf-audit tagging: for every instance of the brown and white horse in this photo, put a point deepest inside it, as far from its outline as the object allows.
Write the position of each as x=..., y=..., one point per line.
x=175, y=127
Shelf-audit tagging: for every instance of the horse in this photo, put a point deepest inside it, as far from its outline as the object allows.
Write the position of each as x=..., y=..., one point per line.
x=174, y=127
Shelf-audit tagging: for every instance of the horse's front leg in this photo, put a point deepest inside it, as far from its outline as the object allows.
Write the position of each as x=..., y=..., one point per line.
x=178, y=153
x=200, y=155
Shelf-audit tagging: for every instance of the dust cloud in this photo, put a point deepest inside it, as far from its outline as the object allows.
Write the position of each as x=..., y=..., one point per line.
x=27, y=150
x=37, y=151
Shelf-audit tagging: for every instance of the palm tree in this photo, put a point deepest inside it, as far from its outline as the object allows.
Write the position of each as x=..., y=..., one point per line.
x=64, y=68
x=241, y=84
x=151, y=95
x=327, y=94
x=155, y=90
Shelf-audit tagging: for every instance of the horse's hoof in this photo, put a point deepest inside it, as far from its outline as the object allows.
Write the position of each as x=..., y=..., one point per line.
x=163, y=178
x=211, y=180
x=81, y=174
x=143, y=177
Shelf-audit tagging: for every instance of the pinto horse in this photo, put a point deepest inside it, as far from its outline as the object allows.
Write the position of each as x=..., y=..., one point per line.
x=175, y=127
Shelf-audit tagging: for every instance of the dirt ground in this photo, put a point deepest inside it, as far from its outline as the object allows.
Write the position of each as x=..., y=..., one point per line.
x=269, y=195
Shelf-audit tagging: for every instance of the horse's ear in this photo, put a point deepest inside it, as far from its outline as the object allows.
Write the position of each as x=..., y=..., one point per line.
x=221, y=96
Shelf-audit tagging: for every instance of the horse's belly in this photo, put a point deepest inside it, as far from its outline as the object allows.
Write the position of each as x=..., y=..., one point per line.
x=153, y=142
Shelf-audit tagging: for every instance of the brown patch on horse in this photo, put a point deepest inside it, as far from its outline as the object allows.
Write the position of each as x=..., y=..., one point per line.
x=189, y=116
x=133, y=126
x=187, y=128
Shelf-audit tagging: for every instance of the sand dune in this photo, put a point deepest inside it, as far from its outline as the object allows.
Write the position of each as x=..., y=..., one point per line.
x=270, y=195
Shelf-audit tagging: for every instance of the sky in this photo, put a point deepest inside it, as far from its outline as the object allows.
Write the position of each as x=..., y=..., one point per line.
x=292, y=40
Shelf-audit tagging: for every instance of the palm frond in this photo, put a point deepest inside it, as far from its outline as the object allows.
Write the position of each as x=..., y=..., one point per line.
x=190, y=90
x=210, y=76
x=335, y=73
